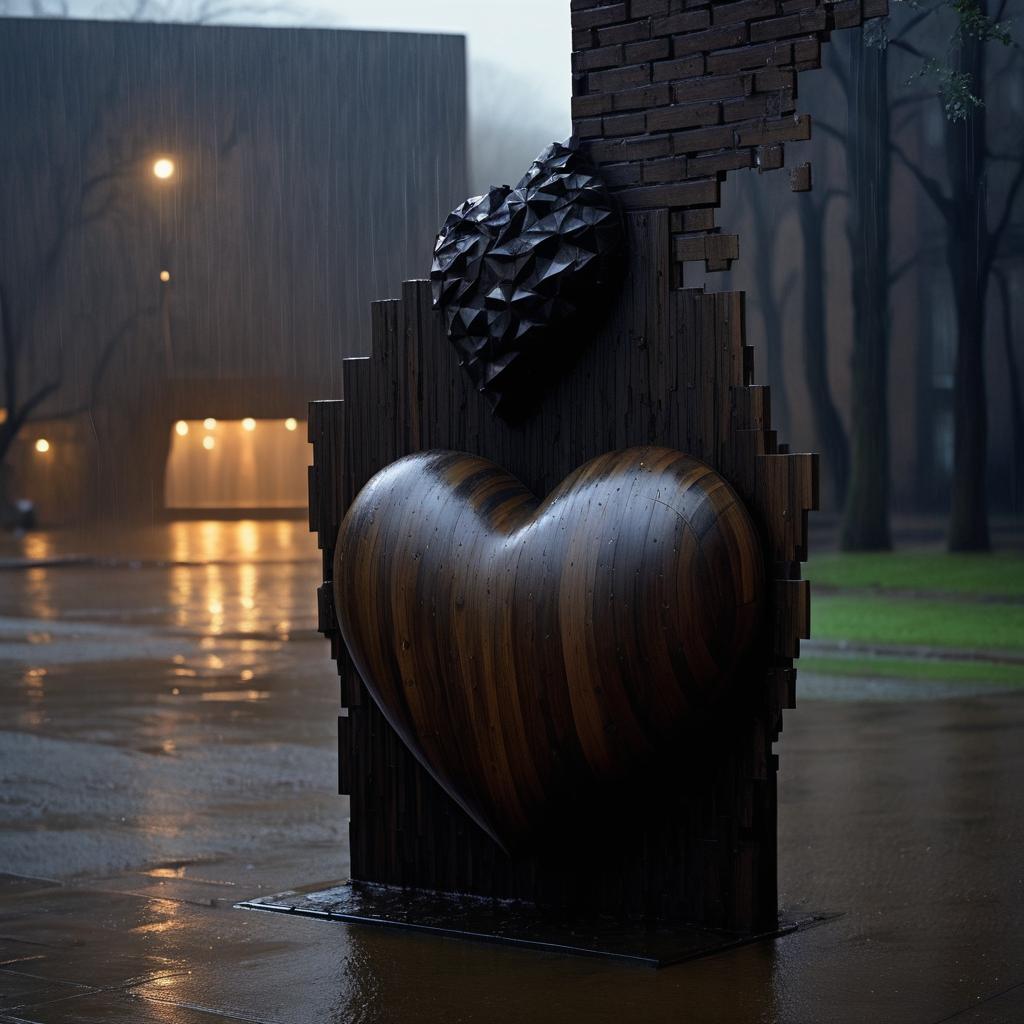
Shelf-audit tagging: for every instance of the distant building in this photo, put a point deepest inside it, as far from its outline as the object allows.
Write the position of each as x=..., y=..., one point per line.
x=193, y=222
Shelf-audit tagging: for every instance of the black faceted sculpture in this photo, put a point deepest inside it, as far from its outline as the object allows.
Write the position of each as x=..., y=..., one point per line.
x=511, y=265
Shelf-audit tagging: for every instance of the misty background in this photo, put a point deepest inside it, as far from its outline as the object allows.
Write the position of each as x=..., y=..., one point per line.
x=815, y=267
x=518, y=58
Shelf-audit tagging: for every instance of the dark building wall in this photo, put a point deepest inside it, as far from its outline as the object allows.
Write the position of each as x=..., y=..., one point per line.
x=313, y=169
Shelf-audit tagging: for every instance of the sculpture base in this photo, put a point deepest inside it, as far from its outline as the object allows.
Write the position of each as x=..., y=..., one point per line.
x=481, y=920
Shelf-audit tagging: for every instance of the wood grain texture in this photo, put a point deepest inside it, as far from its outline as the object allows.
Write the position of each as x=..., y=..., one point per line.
x=667, y=367
x=530, y=652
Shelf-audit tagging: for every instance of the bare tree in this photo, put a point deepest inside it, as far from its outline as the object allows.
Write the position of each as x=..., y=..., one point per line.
x=770, y=302
x=88, y=190
x=974, y=238
x=866, y=514
x=828, y=425
x=1016, y=400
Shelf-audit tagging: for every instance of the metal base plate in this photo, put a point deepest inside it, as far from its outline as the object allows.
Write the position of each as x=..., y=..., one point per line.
x=482, y=920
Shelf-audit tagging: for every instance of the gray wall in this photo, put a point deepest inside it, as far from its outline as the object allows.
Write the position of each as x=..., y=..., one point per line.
x=314, y=168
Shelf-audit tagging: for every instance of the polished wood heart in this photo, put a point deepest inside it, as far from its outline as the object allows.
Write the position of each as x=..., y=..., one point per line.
x=531, y=651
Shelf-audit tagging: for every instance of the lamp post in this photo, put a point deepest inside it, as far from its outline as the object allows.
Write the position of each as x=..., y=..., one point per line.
x=165, y=170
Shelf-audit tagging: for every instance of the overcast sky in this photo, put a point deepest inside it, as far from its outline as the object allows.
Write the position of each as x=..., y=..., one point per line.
x=531, y=38
x=519, y=77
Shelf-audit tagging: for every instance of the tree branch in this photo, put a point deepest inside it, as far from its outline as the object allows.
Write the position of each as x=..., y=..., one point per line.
x=16, y=419
x=995, y=236
x=930, y=185
x=830, y=130
x=901, y=268
x=911, y=25
x=898, y=44
x=102, y=364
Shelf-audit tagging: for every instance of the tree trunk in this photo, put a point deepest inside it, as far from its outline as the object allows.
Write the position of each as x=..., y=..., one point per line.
x=866, y=518
x=765, y=231
x=1016, y=400
x=967, y=248
x=828, y=425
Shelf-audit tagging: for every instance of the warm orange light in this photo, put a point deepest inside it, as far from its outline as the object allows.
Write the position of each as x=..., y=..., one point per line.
x=181, y=428
x=165, y=276
x=42, y=445
x=291, y=423
x=163, y=168
x=208, y=442
x=248, y=423
x=3, y=415
x=209, y=423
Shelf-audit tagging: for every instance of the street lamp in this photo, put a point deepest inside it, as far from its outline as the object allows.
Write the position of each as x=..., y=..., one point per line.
x=163, y=168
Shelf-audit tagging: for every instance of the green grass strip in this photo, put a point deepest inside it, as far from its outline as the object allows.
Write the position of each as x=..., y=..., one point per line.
x=881, y=620
x=939, y=670
x=999, y=574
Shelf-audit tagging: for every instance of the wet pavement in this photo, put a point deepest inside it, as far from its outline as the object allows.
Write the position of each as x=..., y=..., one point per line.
x=167, y=750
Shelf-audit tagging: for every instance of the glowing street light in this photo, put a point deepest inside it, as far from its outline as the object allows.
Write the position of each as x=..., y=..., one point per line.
x=165, y=276
x=42, y=445
x=163, y=168
x=208, y=442
x=291, y=423
x=181, y=428
x=248, y=424
x=209, y=423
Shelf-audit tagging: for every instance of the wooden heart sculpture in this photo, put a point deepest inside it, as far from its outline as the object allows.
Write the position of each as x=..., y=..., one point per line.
x=530, y=651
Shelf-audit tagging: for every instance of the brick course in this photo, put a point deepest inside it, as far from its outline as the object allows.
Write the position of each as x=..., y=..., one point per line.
x=669, y=96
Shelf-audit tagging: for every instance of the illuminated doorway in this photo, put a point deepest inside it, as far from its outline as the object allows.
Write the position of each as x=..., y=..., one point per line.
x=237, y=464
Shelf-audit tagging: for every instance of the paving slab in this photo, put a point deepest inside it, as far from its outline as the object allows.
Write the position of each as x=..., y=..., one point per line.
x=133, y=818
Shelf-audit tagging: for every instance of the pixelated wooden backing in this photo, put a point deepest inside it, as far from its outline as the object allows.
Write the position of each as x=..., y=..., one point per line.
x=668, y=367
x=671, y=95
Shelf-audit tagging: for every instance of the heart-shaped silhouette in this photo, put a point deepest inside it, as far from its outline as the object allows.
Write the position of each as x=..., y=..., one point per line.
x=530, y=651
x=512, y=264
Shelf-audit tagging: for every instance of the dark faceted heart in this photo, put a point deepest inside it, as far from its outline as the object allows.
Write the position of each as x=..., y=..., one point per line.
x=512, y=264
x=530, y=652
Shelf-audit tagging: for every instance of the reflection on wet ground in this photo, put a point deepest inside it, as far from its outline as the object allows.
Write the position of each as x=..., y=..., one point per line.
x=168, y=749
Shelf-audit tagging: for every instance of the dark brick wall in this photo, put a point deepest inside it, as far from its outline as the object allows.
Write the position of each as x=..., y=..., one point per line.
x=669, y=96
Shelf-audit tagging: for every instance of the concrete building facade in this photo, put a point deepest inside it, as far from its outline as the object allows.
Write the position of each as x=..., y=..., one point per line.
x=193, y=222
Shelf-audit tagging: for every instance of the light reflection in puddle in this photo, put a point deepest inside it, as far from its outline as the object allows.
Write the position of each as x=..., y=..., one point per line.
x=38, y=546
x=34, y=684
x=235, y=695
x=39, y=593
